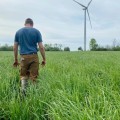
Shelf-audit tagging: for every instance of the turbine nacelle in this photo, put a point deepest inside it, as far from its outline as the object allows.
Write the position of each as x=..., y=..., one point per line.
x=85, y=8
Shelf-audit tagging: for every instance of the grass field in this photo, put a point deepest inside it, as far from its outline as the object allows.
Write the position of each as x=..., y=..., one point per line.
x=72, y=86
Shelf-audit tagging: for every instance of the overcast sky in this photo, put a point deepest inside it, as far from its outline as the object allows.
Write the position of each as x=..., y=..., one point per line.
x=62, y=21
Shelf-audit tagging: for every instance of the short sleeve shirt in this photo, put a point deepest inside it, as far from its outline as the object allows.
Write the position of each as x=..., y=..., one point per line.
x=27, y=38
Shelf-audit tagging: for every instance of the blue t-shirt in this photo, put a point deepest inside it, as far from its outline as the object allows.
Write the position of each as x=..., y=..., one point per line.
x=27, y=38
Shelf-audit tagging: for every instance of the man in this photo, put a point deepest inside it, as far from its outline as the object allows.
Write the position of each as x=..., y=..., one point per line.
x=27, y=39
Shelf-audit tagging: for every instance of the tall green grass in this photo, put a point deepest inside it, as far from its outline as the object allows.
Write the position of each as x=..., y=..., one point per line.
x=72, y=86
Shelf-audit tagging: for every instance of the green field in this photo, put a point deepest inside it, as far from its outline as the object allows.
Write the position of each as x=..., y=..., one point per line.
x=72, y=86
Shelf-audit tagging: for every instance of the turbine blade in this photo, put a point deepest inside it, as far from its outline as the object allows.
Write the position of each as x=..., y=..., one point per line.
x=79, y=3
x=89, y=3
x=89, y=18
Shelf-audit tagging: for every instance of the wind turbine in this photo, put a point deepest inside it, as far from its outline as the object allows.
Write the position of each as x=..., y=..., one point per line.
x=85, y=8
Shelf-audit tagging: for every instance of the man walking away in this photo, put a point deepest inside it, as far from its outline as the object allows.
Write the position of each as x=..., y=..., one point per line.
x=27, y=39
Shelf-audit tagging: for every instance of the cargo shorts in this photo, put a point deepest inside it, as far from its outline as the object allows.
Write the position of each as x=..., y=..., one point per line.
x=29, y=66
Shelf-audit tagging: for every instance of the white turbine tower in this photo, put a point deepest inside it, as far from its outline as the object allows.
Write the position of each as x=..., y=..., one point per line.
x=85, y=8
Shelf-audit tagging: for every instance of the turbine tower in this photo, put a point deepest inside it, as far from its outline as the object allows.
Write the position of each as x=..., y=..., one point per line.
x=85, y=8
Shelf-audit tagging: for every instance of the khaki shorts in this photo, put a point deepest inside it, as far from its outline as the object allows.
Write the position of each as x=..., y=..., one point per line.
x=29, y=67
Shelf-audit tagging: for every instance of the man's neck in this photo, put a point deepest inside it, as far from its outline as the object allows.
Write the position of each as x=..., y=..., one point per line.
x=28, y=25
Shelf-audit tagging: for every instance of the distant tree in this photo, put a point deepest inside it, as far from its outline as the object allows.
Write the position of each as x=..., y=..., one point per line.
x=47, y=47
x=54, y=47
x=93, y=44
x=66, y=49
x=108, y=47
x=60, y=46
x=117, y=48
x=6, y=47
x=80, y=49
x=114, y=43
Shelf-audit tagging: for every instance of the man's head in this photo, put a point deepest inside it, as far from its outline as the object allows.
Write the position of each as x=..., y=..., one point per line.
x=29, y=22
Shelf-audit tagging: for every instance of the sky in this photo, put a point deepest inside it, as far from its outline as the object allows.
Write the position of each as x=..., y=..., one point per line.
x=62, y=21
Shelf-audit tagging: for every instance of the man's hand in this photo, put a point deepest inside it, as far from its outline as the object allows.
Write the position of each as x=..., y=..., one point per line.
x=15, y=64
x=43, y=63
x=42, y=51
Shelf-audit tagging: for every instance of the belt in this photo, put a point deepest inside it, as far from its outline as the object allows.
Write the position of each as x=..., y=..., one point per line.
x=29, y=53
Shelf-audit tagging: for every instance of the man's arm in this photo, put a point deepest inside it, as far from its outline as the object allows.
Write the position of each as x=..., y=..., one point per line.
x=15, y=48
x=42, y=51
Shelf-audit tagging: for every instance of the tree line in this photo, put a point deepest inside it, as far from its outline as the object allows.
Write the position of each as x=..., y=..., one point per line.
x=48, y=47
x=55, y=47
x=95, y=47
x=6, y=47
